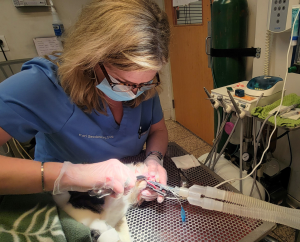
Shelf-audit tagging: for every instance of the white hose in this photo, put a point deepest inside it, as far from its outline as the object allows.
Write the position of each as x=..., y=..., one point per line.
x=255, y=152
x=236, y=198
x=241, y=154
x=268, y=45
x=254, y=213
x=256, y=203
x=239, y=204
x=261, y=95
x=259, y=213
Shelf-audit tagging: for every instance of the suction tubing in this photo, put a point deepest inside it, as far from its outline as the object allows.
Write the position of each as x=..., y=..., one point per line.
x=239, y=204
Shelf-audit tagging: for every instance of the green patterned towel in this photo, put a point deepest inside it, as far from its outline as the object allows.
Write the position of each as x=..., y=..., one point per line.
x=36, y=218
x=263, y=112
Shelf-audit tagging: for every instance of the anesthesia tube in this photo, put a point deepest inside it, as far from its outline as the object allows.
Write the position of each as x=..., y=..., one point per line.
x=243, y=205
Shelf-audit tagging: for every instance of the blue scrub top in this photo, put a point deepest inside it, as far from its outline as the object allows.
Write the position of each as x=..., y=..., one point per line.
x=32, y=103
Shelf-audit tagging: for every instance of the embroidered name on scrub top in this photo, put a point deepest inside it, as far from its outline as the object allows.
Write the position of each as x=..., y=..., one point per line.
x=95, y=137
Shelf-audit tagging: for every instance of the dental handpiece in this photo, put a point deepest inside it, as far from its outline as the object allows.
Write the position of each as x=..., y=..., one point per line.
x=289, y=114
x=220, y=99
x=227, y=108
x=209, y=97
x=287, y=109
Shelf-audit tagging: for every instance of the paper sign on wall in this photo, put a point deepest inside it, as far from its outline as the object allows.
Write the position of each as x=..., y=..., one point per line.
x=46, y=45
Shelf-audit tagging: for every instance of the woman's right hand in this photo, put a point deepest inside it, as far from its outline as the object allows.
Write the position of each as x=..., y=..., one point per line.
x=110, y=174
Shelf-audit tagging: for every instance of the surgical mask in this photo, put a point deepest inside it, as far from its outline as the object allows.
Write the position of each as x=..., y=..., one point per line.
x=117, y=96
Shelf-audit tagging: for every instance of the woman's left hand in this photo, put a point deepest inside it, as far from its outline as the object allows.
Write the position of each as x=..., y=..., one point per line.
x=157, y=173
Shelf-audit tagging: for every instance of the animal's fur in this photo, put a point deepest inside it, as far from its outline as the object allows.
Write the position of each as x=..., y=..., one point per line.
x=98, y=213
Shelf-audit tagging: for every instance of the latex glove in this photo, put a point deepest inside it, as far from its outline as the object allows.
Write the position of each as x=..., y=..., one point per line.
x=83, y=177
x=157, y=173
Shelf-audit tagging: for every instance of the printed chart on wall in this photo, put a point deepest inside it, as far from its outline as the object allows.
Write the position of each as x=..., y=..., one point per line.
x=46, y=45
x=188, y=12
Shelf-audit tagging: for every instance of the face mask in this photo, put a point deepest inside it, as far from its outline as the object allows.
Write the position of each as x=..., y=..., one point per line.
x=117, y=96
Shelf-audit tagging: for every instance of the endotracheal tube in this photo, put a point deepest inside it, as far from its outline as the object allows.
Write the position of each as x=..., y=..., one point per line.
x=237, y=204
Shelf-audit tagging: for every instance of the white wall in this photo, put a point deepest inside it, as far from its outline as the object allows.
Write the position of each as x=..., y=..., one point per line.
x=21, y=25
x=167, y=89
x=278, y=60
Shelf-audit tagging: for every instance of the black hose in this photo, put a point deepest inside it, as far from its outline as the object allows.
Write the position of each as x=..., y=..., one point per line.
x=6, y=58
x=291, y=154
x=279, y=137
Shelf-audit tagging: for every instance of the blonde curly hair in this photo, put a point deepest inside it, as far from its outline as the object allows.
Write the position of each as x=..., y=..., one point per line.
x=127, y=34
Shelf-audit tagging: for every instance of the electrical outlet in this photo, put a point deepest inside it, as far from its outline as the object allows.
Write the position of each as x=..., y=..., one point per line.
x=4, y=45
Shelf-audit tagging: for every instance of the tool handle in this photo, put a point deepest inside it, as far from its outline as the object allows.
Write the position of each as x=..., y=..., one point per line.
x=209, y=96
x=220, y=99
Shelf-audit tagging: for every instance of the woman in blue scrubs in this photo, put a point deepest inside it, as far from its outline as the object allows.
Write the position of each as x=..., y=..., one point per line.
x=92, y=104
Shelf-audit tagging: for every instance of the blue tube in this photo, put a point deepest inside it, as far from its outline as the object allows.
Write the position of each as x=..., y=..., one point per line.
x=182, y=213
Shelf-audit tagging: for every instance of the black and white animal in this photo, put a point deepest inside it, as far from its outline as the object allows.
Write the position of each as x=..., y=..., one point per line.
x=106, y=216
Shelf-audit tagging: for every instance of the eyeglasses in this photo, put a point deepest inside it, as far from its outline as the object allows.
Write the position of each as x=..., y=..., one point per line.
x=118, y=86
